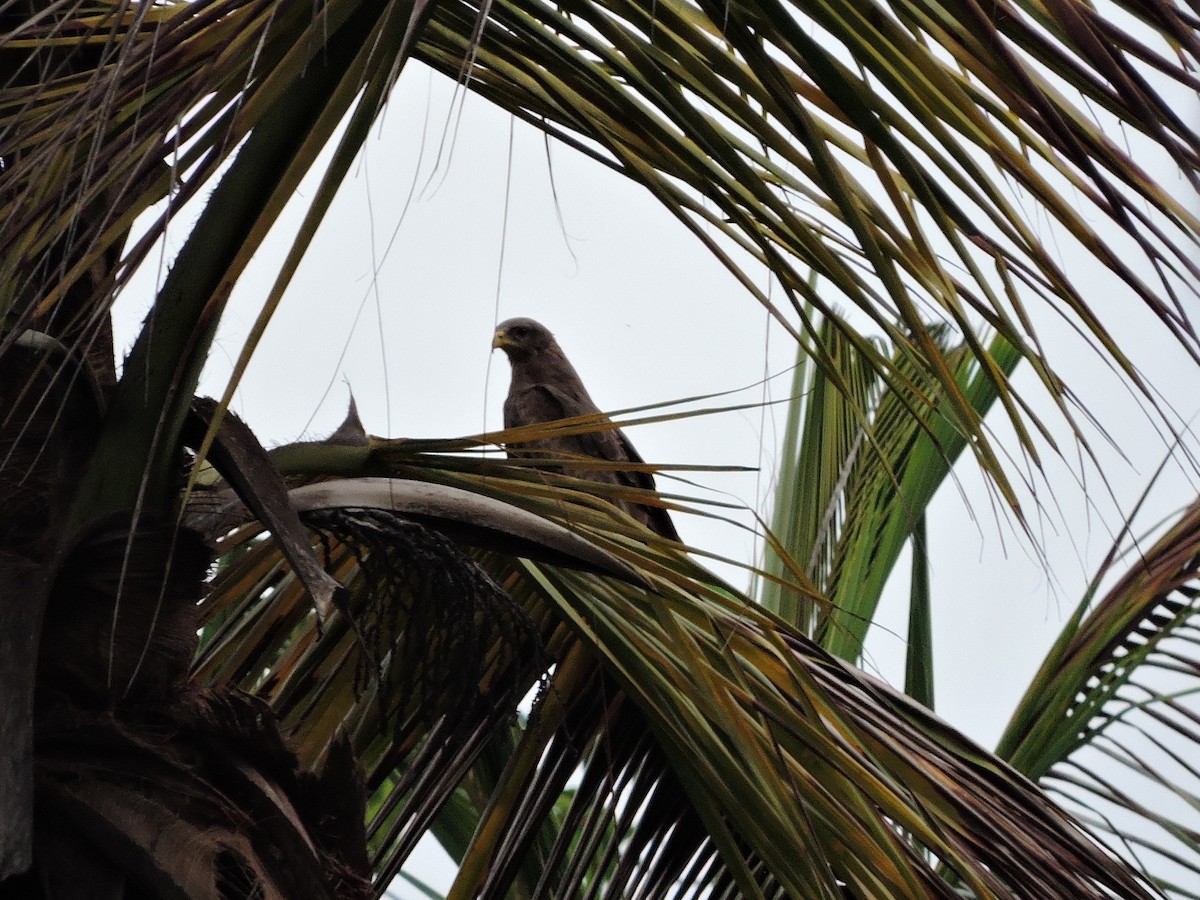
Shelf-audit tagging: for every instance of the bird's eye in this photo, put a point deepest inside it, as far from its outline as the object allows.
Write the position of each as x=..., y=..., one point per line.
x=518, y=331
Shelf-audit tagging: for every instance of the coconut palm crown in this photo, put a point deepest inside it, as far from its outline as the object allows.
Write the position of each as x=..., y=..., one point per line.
x=229, y=672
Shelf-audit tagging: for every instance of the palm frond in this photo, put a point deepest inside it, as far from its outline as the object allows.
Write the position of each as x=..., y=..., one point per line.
x=753, y=106
x=710, y=738
x=863, y=460
x=1109, y=723
x=891, y=151
x=918, y=665
x=871, y=145
x=828, y=427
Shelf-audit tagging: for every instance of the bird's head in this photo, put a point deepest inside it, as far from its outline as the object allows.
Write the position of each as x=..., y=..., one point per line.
x=522, y=339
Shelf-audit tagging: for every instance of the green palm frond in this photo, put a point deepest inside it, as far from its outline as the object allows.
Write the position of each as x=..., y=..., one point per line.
x=828, y=426
x=1110, y=721
x=862, y=460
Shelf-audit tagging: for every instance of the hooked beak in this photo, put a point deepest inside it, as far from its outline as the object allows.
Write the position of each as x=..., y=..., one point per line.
x=500, y=340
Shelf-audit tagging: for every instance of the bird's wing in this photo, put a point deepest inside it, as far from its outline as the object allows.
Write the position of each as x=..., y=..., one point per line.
x=541, y=403
x=656, y=518
x=546, y=403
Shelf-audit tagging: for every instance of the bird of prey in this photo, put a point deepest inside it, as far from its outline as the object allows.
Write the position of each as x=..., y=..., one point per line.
x=545, y=387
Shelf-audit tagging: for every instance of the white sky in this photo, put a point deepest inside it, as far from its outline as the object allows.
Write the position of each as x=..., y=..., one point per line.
x=647, y=315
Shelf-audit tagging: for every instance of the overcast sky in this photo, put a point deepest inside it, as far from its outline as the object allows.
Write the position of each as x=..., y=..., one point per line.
x=648, y=315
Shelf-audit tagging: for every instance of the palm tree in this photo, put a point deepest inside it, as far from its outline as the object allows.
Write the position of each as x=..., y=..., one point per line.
x=350, y=676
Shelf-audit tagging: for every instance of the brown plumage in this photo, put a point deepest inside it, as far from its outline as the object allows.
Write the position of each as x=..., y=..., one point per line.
x=545, y=387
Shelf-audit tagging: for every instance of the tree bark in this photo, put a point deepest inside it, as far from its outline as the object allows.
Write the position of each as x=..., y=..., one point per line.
x=23, y=589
